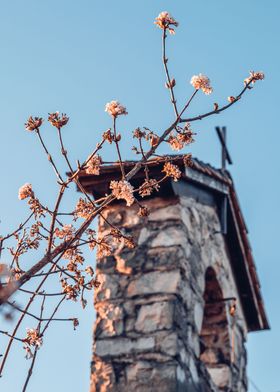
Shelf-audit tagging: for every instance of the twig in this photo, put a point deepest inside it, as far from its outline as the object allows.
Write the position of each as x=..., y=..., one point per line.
x=169, y=83
x=20, y=227
x=201, y=116
x=49, y=156
x=77, y=172
x=38, y=318
x=52, y=315
x=58, y=201
x=40, y=293
x=19, y=323
x=10, y=336
x=29, y=374
x=118, y=149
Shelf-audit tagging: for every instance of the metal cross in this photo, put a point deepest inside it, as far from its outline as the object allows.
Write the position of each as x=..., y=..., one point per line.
x=222, y=133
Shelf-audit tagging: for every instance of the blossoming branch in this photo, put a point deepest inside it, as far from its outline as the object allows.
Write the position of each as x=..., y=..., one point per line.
x=50, y=242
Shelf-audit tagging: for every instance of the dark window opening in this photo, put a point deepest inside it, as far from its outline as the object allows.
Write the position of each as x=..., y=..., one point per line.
x=215, y=349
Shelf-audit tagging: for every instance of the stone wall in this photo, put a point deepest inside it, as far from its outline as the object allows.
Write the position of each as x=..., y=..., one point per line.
x=158, y=326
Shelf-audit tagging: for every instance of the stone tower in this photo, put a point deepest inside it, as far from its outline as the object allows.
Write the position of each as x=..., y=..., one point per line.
x=174, y=312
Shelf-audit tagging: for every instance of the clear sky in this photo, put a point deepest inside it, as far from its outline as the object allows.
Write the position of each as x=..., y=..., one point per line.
x=76, y=56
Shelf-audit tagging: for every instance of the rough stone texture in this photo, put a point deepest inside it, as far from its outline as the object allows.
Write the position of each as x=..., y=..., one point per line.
x=161, y=325
x=150, y=283
x=123, y=346
x=221, y=375
x=154, y=317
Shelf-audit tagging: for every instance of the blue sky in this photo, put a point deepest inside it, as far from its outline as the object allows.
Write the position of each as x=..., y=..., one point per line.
x=76, y=56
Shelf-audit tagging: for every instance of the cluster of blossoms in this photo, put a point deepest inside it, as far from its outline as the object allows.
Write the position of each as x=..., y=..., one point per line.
x=108, y=136
x=143, y=212
x=129, y=242
x=104, y=248
x=253, y=77
x=75, y=257
x=89, y=270
x=25, y=243
x=36, y=207
x=58, y=120
x=33, y=124
x=16, y=273
x=25, y=191
x=91, y=238
x=175, y=142
x=172, y=171
x=202, y=82
x=83, y=209
x=66, y=232
x=117, y=235
x=181, y=139
x=120, y=238
x=148, y=187
x=187, y=159
x=139, y=134
x=33, y=338
x=151, y=137
x=71, y=291
x=112, y=242
x=30, y=244
x=123, y=190
x=165, y=20
x=35, y=229
x=93, y=165
x=115, y=109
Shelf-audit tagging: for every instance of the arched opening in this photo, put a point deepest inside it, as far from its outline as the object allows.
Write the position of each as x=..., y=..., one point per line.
x=214, y=337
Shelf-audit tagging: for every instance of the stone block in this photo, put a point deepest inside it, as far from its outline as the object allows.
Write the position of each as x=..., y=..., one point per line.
x=193, y=370
x=210, y=356
x=155, y=282
x=185, y=216
x=106, y=264
x=167, y=343
x=135, y=259
x=169, y=236
x=102, y=377
x=109, y=320
x=181, y=375
x=144, y=236
x=195, y=218
x=109, y=287
x=198, y=315
x=156, y=316
x=171, y=212
x=123, y=346
x=129, y=324
x=220, y=375
x=161, y=258
x=145, y=376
